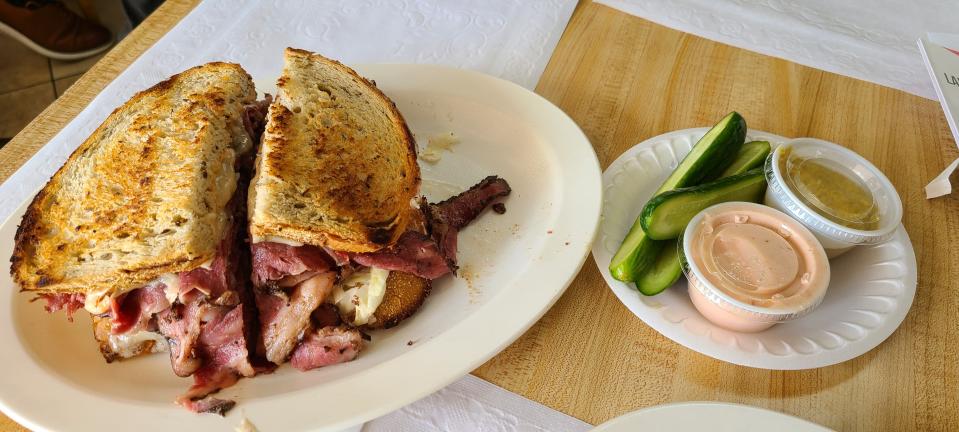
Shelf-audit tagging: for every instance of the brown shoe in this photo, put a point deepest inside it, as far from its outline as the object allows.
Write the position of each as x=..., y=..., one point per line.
x=51, y=29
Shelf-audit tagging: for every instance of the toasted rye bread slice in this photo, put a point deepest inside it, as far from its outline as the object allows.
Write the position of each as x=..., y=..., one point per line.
x=337, y=166
x=145, y=194
x=405, y=293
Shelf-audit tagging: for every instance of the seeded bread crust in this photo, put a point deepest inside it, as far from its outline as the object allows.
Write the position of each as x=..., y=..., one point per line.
x=145, y=194
x=337, y=166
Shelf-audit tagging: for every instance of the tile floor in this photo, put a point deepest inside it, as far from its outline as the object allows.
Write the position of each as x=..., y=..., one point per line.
x=29, y=81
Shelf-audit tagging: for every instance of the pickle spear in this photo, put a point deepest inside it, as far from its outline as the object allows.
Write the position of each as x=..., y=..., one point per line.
x=710, y=155
x=666, y=268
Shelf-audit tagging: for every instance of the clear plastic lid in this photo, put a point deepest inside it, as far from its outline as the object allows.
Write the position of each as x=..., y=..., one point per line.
x=834, y=191
x=754, y=261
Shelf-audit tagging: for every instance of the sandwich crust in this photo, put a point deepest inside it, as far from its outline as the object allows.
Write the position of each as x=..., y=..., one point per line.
x=145, y=194
x=337, y=166
x=405, y=293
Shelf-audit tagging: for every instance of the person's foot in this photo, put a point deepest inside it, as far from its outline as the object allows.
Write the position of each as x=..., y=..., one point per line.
x=49, y=28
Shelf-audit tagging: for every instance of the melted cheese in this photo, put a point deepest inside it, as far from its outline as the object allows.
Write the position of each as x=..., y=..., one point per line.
x=171, y=284
x=361, y=293
x=126, y=344
x=97, y=302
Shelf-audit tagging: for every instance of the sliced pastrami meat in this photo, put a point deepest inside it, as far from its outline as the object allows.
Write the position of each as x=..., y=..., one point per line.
x=222, y=345
x=434, y=255
x=327, y=346
x=284, y=319
x=274, y=261
x=68, y=302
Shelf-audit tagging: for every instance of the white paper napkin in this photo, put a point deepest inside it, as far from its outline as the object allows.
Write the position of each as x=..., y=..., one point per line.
x=511, y=39
x=472, y=404
x=873, y=40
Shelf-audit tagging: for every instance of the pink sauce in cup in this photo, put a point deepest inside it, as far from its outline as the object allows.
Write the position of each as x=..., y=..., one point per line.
x=750, y=266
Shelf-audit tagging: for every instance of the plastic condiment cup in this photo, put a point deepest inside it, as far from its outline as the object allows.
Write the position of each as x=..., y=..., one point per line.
x=835, y=237
x=750, y=266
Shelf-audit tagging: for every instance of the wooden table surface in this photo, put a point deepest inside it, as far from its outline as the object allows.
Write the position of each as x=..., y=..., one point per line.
x=624, y=79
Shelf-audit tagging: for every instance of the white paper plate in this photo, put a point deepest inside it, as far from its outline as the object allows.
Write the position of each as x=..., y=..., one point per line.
x=870, y=291
x=707, y=416
x=513, y=267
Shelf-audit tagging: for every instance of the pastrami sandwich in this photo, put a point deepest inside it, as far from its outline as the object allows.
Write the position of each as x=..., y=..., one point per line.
x=154, y=226
x=143, y=227
x=340, y=240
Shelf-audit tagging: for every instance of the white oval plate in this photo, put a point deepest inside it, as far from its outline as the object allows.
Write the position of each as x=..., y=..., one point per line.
x=707, y=416
x=869, y=294
x=513, y=267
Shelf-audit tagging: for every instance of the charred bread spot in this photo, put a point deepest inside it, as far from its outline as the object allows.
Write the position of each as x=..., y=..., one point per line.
x=282, y=117
x=381, y=236
x=26, y=238
x=162, y=85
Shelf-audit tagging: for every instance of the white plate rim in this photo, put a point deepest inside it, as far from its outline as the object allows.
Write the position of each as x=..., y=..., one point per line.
x=476, y=339
x=677, y=333
x=636, y=420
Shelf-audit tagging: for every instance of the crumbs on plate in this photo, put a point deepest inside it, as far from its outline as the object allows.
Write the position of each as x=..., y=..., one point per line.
x=468, y=275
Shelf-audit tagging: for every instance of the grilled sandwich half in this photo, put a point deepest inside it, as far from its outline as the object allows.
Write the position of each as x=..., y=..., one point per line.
x=158, y=227
x=340, y=240
x=335, y=176
x=142, y=227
